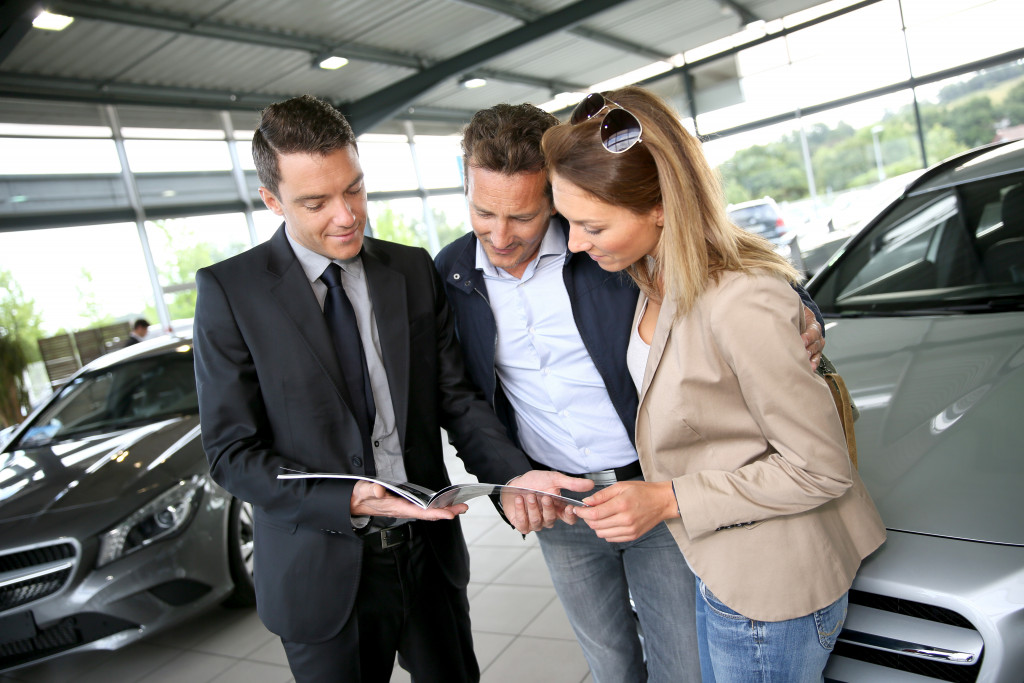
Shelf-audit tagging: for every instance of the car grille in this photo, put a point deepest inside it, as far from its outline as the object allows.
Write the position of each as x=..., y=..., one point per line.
x=30, y=574
x=907, y=636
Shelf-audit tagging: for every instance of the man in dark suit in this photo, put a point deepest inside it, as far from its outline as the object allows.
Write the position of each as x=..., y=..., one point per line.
x=346, y=574
x=140, y=328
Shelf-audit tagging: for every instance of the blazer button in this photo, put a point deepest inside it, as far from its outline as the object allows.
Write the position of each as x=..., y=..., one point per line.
x=357, y=461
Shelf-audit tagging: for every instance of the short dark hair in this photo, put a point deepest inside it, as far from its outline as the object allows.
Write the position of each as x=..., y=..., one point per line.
x=303, y=124
x=140, y=322
x=506, y=138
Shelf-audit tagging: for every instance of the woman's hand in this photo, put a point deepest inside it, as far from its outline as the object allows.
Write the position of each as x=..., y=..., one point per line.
x=629, y=509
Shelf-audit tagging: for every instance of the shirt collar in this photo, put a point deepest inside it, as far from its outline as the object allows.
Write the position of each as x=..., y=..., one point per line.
x=314, y=264
x=554, y=243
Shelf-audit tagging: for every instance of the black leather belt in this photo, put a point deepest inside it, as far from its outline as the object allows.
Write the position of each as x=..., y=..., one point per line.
x=388, y=538
x=602, y=477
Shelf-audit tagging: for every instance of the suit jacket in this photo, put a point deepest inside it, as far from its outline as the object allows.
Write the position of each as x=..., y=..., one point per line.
x=271, y=396
x=774, y=518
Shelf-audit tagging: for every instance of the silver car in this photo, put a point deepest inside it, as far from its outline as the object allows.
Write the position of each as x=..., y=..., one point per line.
x=110, y=526
x=924, y=313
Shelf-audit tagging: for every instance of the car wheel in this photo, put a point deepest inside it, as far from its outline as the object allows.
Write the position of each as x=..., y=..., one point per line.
x=240, y=546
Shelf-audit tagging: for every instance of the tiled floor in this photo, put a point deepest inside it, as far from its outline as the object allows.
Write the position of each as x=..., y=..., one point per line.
x=520, y=630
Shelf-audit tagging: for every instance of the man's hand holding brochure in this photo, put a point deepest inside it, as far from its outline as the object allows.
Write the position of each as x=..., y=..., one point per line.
x=530, y=501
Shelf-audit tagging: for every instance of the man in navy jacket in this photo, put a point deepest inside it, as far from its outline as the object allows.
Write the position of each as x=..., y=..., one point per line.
x=544, y=335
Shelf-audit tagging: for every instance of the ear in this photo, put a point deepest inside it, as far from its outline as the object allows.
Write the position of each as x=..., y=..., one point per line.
x=658, y=213
x=271, y=201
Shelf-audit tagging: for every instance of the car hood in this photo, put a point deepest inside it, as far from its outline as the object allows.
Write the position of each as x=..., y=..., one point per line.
x=101, y=477
x=939, y=438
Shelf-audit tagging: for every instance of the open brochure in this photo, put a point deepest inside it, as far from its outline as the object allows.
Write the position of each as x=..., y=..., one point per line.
x=424, y=497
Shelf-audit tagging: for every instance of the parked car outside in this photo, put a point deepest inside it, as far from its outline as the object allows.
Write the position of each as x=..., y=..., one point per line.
x=111, y=528
x=762, y=217
x=849, y=214
x=924, y=312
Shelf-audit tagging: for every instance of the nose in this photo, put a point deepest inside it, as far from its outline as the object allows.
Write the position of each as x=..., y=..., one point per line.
x=501, y=235
x=343, y=215
x=578, y=241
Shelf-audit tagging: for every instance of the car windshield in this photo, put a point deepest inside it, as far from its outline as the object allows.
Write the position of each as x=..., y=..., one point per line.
x=953, y=250
x=117, y=397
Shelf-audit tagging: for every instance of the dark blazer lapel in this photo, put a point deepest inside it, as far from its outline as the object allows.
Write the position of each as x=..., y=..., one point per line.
x=295, y=297
x=391, y=311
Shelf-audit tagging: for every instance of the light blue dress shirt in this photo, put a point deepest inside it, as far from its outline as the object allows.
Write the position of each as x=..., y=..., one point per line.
x=565, y=418
x=387, y=451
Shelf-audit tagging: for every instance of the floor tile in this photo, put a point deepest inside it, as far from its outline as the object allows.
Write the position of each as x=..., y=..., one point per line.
x=552, y=622
x=538, y=659
x=131, y=664
x=254, y=672
x=508, y=609
x=486, y=563
x=194, y=667
x=527, y=570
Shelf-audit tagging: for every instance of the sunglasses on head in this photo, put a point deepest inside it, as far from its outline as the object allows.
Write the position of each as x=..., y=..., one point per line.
x=620, y=129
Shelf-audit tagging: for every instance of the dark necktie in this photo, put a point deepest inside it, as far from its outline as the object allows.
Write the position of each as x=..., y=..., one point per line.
x=341, y=320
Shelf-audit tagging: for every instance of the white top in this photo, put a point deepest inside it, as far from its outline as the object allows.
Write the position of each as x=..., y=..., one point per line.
x=637, y=352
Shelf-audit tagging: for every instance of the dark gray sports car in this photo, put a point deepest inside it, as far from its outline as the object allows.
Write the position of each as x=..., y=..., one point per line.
x=110, y=526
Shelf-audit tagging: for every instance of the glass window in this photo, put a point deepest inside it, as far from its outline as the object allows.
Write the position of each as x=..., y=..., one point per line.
x=450, y=216
x=181, y=246
x=148, y=156
x=767, y=162
x=440, y=160
x=968, y=111
x=852, y=53
x=24, y=156
x=959, y=248
x=125, y=395
x=942, y=34
x=387, y=165
x=399, y=220
x=79, y=276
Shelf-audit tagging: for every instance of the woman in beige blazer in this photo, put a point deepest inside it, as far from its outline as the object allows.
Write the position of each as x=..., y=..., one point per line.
x=741, y=445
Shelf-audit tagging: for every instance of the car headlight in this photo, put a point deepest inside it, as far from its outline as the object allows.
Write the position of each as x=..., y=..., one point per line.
x=161, y=518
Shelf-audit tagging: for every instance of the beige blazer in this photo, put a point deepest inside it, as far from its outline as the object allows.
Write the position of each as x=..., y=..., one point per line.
x=732, y=414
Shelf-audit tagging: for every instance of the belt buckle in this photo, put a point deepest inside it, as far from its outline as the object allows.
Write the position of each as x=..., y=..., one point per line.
x=602, y=477
x=386, y=536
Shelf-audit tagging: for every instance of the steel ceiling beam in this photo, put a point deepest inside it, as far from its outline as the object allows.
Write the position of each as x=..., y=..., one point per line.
x=15, y=23
x=528, y=14
x=385, y=103
x=99, y=10
x=744, y=13
x=553, y=84
x=30, y=86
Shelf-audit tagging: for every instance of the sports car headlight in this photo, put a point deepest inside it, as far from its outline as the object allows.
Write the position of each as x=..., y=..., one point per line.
x=161, y=518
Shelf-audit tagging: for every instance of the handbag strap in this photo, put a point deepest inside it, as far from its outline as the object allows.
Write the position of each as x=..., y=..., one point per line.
x=844, y=404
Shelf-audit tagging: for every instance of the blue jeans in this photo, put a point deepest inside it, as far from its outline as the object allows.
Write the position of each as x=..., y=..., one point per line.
x=735, y=649
x=594, y=580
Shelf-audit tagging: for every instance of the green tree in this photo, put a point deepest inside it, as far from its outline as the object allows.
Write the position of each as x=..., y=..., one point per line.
x=20, y=328
x=19, y=318
x=1013, y=104
x=92, y=309
x=973, y=122
x=181, y=264
x=13, y=397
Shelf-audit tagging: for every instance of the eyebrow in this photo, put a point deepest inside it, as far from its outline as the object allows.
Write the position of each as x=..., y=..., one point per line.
x=314, y=197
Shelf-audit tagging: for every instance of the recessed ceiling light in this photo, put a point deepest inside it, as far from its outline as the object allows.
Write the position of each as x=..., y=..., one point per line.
x=52, y=22
x=474, y=83
x=333, y=63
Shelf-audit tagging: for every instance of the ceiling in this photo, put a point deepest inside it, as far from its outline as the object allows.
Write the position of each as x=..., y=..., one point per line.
x=407, y=58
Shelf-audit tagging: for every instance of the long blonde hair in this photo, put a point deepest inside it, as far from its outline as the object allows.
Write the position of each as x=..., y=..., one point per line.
x=667, y=167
